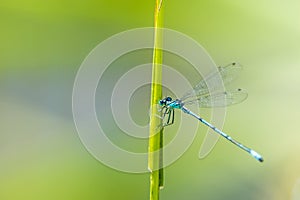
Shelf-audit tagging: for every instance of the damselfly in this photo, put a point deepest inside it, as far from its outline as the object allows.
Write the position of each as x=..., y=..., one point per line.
x=202, y=95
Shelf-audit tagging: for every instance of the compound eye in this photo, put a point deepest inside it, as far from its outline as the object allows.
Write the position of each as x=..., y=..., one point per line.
x=162, y=102
x=169, y=99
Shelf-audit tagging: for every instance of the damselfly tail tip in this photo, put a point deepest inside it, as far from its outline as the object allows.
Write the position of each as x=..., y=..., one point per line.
x=256, y=156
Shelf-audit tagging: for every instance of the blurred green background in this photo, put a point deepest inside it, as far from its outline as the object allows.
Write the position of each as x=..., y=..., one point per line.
x=42, y=45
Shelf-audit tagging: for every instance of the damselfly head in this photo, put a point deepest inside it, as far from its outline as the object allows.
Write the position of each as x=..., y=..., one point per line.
x=164, y=101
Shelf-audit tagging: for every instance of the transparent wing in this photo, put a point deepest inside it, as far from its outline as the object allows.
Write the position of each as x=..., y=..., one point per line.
x=218, y=99
x=215, y=100
x=201, y=95
x=227, y=74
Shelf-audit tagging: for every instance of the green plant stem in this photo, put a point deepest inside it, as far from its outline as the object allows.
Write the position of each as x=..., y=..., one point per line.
x=156, y=136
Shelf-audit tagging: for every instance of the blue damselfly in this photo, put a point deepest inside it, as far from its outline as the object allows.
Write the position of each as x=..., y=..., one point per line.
x=203, y=96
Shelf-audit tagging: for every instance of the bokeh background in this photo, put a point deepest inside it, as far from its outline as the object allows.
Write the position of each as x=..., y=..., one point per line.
x=42, y=45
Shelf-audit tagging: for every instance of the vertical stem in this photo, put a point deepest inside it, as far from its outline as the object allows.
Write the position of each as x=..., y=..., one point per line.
x=156, y=135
